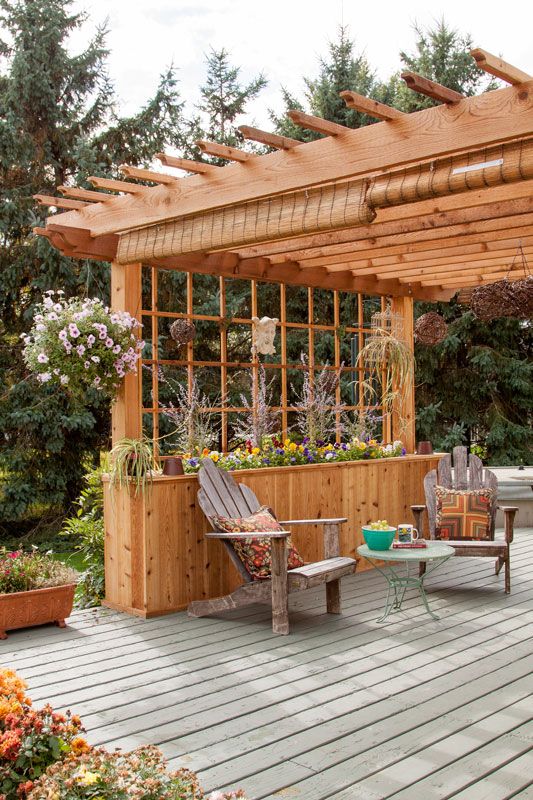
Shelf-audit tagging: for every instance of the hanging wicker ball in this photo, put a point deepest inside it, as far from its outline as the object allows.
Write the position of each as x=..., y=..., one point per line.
x=523, y=297
x=504, y=299
x=182, y=331
x=430, y=328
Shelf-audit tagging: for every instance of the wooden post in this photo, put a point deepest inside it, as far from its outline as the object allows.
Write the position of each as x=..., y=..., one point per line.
x=404, y=405
x=126, y=295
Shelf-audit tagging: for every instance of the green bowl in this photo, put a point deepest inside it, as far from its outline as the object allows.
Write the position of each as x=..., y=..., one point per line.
x=379, y=540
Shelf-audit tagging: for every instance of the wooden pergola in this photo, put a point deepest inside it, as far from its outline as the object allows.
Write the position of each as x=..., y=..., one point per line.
x=416, y=206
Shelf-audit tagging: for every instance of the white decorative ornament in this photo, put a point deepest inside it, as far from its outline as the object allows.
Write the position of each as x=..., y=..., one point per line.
x=263, y=333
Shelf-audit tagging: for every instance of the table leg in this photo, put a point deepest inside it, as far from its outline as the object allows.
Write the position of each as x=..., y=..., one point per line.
x=398, y=585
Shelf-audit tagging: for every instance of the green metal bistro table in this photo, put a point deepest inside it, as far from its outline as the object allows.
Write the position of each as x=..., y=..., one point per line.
x=435, y=554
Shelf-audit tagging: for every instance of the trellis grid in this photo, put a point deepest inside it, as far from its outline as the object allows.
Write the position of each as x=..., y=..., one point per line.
x=188, y=361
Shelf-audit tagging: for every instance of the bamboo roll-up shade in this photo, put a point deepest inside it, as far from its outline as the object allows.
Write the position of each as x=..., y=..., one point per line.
x=506, y=163
x=282, y=216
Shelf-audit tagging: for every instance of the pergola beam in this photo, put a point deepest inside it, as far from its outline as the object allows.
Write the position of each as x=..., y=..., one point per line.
x=482, y=275
x=373, y=108
x=187, y=164
x=431, y=251
x=424, y=135
x=499, y=68
x=116, y=186
x=269, y=139
x=431, y=89
x=59, y=202
x=78, y=193
x=147, y=175
x=316, y=124
x=223, y=151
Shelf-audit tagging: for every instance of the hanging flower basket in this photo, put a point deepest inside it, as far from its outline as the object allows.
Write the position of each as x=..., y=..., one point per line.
x=430, y=329
x=81, y=344
x=182, y=331
x=505, y=298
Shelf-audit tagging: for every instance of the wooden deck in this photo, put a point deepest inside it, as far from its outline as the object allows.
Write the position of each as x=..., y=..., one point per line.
x=343, y=708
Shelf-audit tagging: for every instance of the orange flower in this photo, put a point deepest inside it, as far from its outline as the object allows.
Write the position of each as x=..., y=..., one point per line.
x=79, y=746
x=9, y=745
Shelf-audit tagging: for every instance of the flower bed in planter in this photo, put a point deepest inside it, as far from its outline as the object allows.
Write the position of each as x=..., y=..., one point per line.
x=34, y=589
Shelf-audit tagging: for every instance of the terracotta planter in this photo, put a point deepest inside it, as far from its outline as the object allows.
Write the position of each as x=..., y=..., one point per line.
x=36, y=607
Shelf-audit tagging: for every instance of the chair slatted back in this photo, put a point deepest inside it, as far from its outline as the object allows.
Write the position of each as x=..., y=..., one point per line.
x=220, y=495
x=467, y=473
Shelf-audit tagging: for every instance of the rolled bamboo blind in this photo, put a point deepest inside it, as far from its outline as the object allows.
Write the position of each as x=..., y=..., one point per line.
x=329, y=207
x=279, y=217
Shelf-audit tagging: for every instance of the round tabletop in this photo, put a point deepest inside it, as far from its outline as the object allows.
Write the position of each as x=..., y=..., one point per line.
x=432, y=551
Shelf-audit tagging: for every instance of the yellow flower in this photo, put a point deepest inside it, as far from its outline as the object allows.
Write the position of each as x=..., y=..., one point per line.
x=287, y=442
x=301, y=448
x=292, y=447
x=372, y=441
x=255, y=450
x=329, y=446
x=87, y=778
x=214, y=456
x=362, y=446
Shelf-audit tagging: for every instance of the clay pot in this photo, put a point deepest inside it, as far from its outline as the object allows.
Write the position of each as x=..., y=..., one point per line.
x=36, y=607
x=424, y=449
x=173, y=466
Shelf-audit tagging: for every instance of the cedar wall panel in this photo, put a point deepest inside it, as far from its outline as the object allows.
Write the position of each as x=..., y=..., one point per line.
x=157, y=560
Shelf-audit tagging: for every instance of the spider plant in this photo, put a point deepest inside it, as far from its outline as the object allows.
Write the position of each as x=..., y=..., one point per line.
x=132, y=461
x=391, y=365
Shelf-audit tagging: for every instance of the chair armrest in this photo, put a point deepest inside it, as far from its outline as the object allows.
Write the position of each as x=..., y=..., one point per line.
x=509, y=515
x=336, y=521
x=247, y=535
x=417, y=514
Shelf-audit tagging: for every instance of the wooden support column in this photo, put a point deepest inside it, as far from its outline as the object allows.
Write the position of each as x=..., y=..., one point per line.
x=126, y=293
x=404, y=406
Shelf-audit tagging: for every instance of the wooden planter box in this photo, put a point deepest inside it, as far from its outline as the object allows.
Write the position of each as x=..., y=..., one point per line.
x=157, y=560
x=36, y=607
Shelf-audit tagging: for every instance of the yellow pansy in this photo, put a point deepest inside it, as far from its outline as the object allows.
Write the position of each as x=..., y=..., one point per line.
x=214, y=456
x=362, y=446
x=287, y=442
x=292, y=447
x=255, y=451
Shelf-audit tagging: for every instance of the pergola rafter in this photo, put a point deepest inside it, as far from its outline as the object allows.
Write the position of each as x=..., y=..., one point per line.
x=451, y=186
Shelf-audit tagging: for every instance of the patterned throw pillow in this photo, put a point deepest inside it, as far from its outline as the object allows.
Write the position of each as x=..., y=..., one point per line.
x=462, y=514
x=255, y=553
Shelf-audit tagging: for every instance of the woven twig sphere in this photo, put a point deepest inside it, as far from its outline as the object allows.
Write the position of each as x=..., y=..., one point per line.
x=430, y=328
x=182, y=331
x=504, y=299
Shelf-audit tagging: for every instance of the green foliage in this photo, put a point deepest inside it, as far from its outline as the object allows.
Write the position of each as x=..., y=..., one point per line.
x=132, y=460
x=442, y=55
x=86, y=529
x=476, y=387
x=224, y=98
x=58, y=124
x=343, y=69
x=23, y=571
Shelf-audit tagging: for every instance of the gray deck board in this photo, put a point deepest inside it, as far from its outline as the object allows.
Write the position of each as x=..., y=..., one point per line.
x=342, y=708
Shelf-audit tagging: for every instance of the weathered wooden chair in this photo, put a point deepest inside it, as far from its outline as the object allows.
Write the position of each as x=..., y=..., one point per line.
x=220, y=495
x=468, y=473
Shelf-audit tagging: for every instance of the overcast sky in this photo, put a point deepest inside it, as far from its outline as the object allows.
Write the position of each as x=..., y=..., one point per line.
x=283, y=38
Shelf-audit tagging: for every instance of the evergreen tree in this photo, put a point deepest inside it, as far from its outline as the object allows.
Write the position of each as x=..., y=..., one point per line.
x=476, y=387
x=443, y=55
x=342, y=69
x=58, y=124
x=224, y=98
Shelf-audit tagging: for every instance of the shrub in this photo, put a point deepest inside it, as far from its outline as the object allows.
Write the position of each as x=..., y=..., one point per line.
x=87, y=530
x=30, y=740
x=141, y=774
x=22, y=572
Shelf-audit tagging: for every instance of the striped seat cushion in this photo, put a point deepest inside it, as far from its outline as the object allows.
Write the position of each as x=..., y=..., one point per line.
x=463, y=514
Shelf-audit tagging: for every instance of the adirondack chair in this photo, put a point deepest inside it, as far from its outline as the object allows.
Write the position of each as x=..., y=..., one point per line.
x=220, y=495
x=468, y=473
